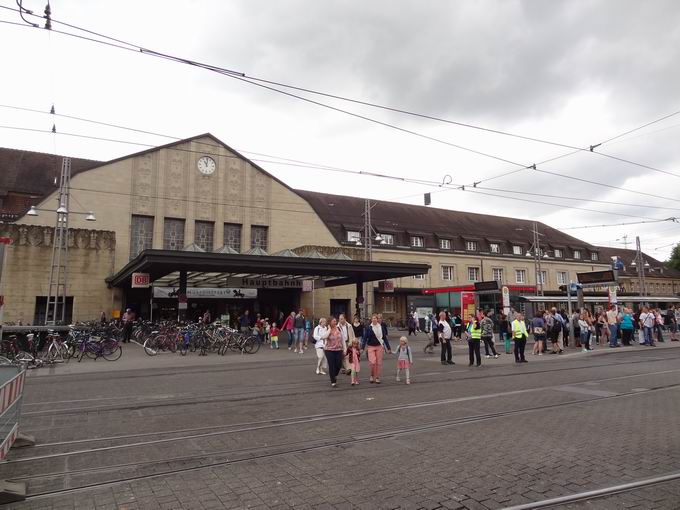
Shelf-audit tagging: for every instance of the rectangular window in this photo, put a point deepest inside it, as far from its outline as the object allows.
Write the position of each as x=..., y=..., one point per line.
x=562, y=277
x=387, y=239
x=448, y=272
x=232, y=236
x=258, y=237
x=445, y=244
x=520, y=276
x=203, y=234
x=594, y=256
x=389, y=304
x=141, y=235
x=353, y=236
x=417, y=241
x=497, y=273
x=542, y=277
x=471, y=245
x=494, y=248
x=173, y=234
x=473, y=274
x=558, y=253
x=516, y=250
x=577, y=254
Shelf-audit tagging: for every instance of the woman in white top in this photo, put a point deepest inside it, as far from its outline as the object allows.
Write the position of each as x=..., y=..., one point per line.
x=320, y=334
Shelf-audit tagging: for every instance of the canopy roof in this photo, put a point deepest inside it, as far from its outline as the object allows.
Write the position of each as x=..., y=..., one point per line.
x=204, y=268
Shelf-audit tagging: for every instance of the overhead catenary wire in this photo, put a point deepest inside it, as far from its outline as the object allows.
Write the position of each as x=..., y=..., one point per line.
x=267, y=84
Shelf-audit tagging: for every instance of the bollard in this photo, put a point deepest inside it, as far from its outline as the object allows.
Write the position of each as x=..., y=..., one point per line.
x=12, y=380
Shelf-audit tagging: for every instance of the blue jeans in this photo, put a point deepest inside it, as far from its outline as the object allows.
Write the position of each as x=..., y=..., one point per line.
x=613, y=330
x=299, y=334
x=584, y=338
x=648, y=336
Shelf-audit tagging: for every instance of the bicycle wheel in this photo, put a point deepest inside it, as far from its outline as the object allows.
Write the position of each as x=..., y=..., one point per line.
x=251, y=345
x=111, y=350
x=152, y=344
x=171, y=344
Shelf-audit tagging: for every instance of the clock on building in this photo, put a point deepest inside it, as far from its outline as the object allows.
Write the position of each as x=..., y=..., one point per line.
x=206, y=165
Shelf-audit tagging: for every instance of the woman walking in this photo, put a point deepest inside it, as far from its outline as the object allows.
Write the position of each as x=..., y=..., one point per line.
x=627, y=327
x=320, y=335
x=538, y=330
x=288, y=326
x=374, y=344
x=333, y=350
x=504, y=332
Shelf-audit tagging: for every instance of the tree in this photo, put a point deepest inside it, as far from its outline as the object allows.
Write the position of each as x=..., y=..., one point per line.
x=674, y=261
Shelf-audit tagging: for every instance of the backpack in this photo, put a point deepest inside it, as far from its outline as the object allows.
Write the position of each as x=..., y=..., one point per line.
x=556, y=326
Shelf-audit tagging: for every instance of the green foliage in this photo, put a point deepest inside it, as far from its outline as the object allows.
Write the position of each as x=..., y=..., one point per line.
x=674, y=261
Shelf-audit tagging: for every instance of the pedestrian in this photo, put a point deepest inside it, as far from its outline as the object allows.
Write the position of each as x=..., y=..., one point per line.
x=474, y=334
x=555, y=331
x=333, y=351
x=353, y=355
x=411, y=324
x=404, y=359
x=445, y=338
x=347, y=338
x=519, y=335
x=429, y=348
x=504, y=332
x=538, y=329
x=102, y=317
x=487, y=336
x=274, y=336
x=584, y=328
x=457, y=325
x=244, y=322
x=289, y=327
x=206, y=318
x=128, y=320
x=575, y=318
x=612, y=316
x=627, y=327
x=358, y=328
x=374, y=344
x=299, y=331
x=675, y=316
x=658, y=325
x=320, y=334
x=647, y=320
x=267, y=331
x=308, y=332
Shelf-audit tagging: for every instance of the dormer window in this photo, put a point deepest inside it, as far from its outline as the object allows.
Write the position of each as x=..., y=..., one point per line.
x=417, y=241
x=594, y=256
x=558, y=253
x=516, y=249
x=494, y=248
x=577, y=254
x=471, y=245
x=445, y=244
x=353, y=236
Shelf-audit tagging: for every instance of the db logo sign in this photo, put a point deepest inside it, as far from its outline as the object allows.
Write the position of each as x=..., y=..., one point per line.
x=141, y=280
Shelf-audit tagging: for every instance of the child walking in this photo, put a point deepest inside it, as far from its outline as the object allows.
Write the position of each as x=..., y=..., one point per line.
x=404, y=359
x=274, y=335
x=354, y=360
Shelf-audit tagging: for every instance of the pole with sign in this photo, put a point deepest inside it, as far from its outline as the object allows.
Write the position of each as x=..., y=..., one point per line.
x=505, y=292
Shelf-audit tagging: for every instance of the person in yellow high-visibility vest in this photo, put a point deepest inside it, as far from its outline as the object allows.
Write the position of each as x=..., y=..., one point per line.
x=519, y=335
x=474, y=331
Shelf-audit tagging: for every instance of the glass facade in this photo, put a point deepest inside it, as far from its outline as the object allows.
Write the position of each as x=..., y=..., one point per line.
x=258, y=237
x=232, y=236
x=173, y=234
x=203, y=234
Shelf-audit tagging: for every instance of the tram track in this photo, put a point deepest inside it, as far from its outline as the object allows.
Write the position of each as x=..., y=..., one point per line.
x=235, y=456
x=301, y=388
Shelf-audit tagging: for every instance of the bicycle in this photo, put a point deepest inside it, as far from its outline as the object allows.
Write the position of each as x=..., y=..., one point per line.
x=94, y=347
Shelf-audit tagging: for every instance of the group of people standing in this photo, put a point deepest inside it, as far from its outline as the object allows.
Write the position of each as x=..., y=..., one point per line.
x=340, y=345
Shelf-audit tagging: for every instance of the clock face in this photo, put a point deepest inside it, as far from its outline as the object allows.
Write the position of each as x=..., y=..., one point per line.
x=206, y=165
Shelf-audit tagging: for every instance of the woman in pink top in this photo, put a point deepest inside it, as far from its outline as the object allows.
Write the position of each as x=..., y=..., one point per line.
x=333, y=351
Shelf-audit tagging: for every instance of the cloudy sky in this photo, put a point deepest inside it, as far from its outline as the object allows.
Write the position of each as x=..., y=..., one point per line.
x=572, y=72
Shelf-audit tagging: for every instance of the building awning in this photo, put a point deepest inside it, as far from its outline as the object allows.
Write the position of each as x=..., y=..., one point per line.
x=471, y=288
x=601, y=299
x=204, y=268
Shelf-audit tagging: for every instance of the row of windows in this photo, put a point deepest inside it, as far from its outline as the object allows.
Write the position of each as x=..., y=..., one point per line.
x=473, y=275
x=141, y=235
x=445, y=244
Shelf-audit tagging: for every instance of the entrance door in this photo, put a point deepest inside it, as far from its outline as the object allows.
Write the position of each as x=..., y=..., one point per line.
x=339, y=306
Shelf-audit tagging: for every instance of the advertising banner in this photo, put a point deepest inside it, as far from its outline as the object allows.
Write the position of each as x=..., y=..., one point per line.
x=467, y=305
x=206, y=293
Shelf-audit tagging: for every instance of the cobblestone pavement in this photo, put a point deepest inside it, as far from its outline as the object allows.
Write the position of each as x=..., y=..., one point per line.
x=264, y=431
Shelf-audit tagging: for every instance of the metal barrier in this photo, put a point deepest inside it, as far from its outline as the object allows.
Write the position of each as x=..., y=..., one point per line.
x=12, y=380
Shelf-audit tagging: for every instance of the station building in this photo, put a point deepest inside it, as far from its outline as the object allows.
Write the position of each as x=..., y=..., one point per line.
x=213, y=227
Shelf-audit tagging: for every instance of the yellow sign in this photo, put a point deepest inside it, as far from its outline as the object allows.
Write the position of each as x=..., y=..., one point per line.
x=115, y=314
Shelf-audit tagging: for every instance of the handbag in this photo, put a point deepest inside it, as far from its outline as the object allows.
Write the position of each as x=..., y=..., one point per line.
x=641, y=337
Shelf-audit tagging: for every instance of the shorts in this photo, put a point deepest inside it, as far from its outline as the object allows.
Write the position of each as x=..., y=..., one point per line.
x=539, y=338
x=275, y=339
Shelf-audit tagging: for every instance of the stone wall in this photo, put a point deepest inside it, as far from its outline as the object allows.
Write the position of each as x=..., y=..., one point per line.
x=26, y=270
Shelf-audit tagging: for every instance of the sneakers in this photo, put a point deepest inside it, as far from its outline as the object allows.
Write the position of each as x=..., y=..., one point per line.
x=496, y=356
x=487, y=356
x=398, y=380
x=322, y=372
x=371, y=380
x=317, y=371
x=333, y=385
x=289, y=348
x=584, y=350
x=377, y=381
x=408, y=381
x=295, y=351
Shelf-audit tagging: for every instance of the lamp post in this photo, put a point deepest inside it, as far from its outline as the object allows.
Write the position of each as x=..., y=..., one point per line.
x=640, y=264
x=369, y=236
x=537, y=254
x=56, y=289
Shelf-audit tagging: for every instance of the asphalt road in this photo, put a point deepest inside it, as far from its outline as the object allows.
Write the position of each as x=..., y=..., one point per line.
x=264, y=431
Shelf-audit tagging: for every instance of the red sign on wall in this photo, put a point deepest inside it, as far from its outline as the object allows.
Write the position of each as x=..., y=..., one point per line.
x=467, y=306
x=141, y=281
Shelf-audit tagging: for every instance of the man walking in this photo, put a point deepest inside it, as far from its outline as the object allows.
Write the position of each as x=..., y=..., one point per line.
x=519, y=334
x=555, y=331
x=445, y=338
x=613, y=322
x=486, y=325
